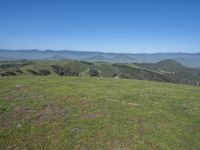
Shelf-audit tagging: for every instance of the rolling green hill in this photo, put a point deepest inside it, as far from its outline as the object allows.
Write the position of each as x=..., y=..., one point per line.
x=54, y=112
x=166, y=65
x=163, y=71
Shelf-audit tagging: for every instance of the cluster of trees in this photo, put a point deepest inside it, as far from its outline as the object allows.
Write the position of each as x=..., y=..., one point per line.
x=87, y=63
x=43, y=72
x=15, y=64
x=64, y=71
x=10, y=72
x=67, y=71
x=140, y=73
x=7, y=73
x=93, y=73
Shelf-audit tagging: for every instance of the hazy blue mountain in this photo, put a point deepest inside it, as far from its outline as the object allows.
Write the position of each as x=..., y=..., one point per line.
x=191, y=60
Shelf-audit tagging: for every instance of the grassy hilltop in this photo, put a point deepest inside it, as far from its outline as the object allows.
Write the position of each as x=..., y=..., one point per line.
x=55, y=112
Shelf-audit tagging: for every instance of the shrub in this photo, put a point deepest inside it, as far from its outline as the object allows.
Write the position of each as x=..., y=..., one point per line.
x=87, y=63
x=93, y=73
x=33, y=72
x=44, y=72
x=19, y=71
x=64, y=71
x=114, y=75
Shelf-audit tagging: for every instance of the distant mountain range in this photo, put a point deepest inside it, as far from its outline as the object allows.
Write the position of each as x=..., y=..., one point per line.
x=191, y=60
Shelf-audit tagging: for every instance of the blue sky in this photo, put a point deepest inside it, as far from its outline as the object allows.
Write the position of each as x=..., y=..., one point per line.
x=101, y=25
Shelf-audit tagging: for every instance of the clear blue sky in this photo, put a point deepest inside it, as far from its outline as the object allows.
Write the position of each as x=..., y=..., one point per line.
x=101, y=25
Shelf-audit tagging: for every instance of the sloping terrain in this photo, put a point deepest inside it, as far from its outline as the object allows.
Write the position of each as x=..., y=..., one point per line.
x=97, y=113
x=163, y=71
x=167, y=65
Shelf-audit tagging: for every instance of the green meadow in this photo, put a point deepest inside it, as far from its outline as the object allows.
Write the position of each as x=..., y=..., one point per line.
x=53, y=112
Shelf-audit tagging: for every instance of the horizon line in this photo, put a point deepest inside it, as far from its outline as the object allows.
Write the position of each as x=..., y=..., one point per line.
x=43, y=50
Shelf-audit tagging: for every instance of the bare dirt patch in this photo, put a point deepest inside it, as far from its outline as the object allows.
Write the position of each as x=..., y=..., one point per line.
x=141, y=130
x=17, y=116
x=112, y=100
x=21, y=115
x=89, y=116
x=76, y=130
x=50, y=112
x=19, y=85
x=184, y=140
x=133, y=104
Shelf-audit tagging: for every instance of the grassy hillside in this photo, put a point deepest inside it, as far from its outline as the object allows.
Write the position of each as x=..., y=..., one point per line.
x=77, y=68
x=166, y=65
x=97, y=113
x=164, y=71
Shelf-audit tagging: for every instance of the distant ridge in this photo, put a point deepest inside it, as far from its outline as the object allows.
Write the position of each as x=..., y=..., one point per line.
x=191, y=60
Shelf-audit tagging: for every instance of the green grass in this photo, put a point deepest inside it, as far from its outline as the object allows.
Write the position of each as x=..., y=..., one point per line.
x=97, y=113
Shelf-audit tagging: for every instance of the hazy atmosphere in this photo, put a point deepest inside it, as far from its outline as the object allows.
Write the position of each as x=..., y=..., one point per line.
x=101, y=25
x=100, y=74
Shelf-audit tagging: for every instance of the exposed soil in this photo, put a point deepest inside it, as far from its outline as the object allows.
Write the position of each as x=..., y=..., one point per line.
x=50, y=112
x=76, y=130
x=17, y=116
x=21, y=115
x=89, y=116
x=140, y=128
